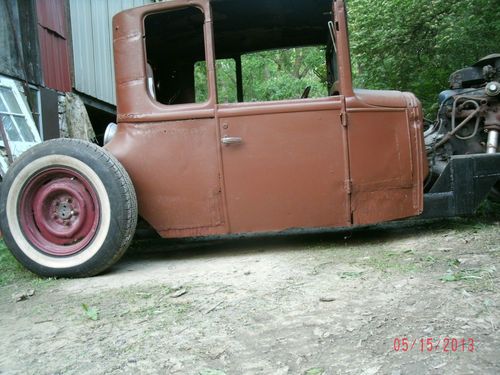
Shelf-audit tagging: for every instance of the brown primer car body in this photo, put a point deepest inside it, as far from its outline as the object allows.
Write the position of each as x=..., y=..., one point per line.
x=350, y=159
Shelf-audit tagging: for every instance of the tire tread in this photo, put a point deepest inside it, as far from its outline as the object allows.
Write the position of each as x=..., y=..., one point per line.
x=127, y=222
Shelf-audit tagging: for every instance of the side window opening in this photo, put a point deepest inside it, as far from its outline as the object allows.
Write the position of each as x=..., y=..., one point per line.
x=174, y=43
x=332, y=74
x=282, y=51
x=226, y=81
x=283, y=74
x=269, y=76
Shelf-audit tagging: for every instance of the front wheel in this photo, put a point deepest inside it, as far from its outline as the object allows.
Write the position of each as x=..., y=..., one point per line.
x=68, y=209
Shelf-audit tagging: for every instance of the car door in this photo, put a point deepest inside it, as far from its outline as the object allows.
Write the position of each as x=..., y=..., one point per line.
x=284, y=164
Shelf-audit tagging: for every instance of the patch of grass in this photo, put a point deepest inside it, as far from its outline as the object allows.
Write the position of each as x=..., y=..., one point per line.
x=91, y=312
x=314, y=371
x=469, y=274
x=209, y=371
x=479, y=222
x=429, y=259
x=406, y=261
x=350, y=275
x=489, y=210
x=398, y=262
x=10, y=269
x=144, y=303
x=476, y=279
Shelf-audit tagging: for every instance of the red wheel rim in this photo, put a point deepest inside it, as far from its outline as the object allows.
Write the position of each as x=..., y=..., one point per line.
x=59, y=211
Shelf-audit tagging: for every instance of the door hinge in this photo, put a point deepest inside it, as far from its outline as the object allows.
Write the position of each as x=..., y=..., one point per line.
x=343, y=118
x=348, y=186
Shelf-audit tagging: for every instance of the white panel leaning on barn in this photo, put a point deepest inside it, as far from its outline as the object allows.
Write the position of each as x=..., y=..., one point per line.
x=18, y=131
x=92, y=42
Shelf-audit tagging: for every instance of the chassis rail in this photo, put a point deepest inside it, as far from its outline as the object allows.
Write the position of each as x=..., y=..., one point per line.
x=463, y=185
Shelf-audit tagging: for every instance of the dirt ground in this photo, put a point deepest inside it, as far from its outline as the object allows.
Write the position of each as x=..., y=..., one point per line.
x=355, y=302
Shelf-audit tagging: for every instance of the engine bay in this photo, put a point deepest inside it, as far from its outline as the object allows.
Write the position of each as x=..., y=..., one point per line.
x=468, y=118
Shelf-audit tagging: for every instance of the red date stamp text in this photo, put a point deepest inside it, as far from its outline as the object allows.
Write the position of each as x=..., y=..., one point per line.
x=430, y=344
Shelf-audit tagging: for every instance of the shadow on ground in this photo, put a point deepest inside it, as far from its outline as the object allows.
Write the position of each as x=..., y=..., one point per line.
x=294, y=240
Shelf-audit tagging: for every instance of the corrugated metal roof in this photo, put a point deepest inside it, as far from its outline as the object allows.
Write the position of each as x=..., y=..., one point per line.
x=51, y=15
x=53, y=44
x=92, y=39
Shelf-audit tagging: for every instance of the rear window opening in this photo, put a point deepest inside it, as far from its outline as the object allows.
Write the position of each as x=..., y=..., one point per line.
x=174, y=43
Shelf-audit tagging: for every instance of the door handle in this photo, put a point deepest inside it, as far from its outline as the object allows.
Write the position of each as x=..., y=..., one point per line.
x=231, y=140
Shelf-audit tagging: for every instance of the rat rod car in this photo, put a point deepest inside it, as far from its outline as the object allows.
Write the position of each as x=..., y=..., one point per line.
x=193, y=165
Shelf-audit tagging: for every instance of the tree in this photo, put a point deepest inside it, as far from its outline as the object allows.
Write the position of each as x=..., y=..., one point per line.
x=414, y=45
x=268, y=75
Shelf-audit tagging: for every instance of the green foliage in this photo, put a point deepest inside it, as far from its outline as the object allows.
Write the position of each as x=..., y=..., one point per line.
x=473, y=274
x=350, y=274
x=211, y=372
x=284, y=74
x=414, y=45
x=10, y=269
x=489, y=210
x=226, y=81
x=315, y=371
x=92, y=313
x=268, y=75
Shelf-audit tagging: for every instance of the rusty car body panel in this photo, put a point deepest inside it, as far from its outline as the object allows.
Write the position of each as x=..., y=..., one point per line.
x=342, y=160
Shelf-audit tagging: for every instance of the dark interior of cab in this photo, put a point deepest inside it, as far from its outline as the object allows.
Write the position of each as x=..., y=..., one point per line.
x=175, y=39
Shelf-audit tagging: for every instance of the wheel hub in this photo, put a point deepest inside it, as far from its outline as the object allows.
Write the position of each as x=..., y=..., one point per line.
x=59, y=211
x=64, y=211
